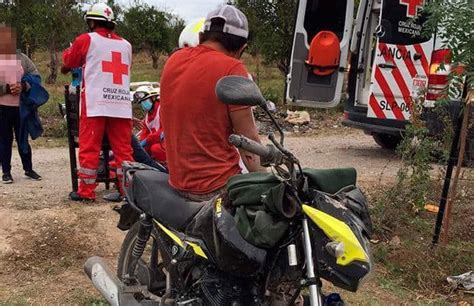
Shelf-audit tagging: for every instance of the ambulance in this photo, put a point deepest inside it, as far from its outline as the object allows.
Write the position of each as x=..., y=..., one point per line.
x=380, y=52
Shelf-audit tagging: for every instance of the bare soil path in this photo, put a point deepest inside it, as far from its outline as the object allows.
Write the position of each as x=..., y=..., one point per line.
x=45, y=239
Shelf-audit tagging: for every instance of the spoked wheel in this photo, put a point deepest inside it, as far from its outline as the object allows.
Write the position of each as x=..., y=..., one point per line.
x=149, y=270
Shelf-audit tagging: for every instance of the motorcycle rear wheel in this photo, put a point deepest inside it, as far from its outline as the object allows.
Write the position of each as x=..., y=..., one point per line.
x=149, y=268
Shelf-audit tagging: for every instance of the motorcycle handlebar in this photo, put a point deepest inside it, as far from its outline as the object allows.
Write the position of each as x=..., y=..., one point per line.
x=268, y=153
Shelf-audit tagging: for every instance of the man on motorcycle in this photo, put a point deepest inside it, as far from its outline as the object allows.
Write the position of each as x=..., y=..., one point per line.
x=196, y=124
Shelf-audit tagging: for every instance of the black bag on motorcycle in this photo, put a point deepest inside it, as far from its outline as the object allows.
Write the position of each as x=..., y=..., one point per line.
x=343, y=207
x=231, y=253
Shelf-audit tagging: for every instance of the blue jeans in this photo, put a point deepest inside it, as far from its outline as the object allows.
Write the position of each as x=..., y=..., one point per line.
x=141, y=156
x=9, y=126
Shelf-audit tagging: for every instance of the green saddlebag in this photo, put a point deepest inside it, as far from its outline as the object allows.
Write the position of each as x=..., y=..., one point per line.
x=255, y=197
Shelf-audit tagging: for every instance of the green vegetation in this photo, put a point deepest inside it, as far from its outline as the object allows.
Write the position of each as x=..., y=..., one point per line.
x=271, y=26
x=404, y=250
x=150, y=30
x=53, y=24
x=453, y=21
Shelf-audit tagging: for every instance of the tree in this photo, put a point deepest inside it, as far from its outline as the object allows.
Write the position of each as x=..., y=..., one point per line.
x=49, y=24
x=61, y=21
x=149, y=29
x=16, y=14
x=453, y=21
x=271, y=24
x=176, y=27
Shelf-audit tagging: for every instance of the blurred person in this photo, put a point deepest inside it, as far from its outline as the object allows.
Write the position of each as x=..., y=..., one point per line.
x=20, y=95
x=105, y=96
x=196, y=124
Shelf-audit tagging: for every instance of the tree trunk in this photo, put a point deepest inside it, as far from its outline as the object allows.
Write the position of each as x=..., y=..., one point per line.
x=283, y=67
x=155, y=57
x=53, y=64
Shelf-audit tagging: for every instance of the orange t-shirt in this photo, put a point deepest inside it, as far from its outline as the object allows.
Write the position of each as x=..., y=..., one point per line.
x=196, y=124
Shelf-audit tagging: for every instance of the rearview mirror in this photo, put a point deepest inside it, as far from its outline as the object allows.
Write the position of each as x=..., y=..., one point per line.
x=238, y=90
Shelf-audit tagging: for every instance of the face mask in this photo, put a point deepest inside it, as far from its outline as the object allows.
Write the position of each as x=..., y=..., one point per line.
x=147, y=105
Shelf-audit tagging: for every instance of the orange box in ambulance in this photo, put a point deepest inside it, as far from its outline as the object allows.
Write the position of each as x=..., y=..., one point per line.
x=392, y=65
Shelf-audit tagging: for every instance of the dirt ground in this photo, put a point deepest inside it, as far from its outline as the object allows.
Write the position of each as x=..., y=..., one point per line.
x=45, y=239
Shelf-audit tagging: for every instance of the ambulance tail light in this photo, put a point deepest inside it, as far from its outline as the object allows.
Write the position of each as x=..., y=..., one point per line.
x=439, y=72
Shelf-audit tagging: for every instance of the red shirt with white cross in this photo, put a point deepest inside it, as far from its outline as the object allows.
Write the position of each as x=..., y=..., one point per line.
x=109, y=73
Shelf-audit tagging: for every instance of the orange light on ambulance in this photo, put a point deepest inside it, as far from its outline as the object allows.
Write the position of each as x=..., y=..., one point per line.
x=439, y=71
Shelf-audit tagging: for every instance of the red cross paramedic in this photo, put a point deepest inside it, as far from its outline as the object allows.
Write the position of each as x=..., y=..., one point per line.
x=105, y=108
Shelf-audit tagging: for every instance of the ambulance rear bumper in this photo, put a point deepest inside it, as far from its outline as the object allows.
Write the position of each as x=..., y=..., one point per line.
x=359, y=120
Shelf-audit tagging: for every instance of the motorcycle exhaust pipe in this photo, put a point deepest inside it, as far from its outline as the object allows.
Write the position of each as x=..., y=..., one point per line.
x=103, y=279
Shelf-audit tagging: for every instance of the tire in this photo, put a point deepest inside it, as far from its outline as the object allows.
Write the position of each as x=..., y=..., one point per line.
x=146, y=272
x=387, y=141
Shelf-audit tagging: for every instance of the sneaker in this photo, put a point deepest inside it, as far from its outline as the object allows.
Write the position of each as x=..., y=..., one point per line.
x=74, y=196
x=33, y=175
x=7, y=178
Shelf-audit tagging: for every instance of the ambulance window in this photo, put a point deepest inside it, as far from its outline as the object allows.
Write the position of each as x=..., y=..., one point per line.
x=398, y=27
x=324, y=15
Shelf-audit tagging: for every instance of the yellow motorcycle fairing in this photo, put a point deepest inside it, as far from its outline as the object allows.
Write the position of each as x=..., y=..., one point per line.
x=182, y=240
x=338, y=231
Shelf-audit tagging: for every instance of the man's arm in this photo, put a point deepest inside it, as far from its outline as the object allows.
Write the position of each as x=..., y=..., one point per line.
x=28, y=65
x=75, y=55
x=244, y=124
x=28, y=68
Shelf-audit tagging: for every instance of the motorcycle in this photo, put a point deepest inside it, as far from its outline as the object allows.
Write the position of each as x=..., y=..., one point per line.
x=268, y=240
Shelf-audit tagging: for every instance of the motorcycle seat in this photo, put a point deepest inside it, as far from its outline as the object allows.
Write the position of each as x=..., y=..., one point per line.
x=152, y=193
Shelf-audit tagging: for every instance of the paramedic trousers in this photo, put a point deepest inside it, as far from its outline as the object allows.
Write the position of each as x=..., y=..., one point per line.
x=91, y=132
x=9, y=126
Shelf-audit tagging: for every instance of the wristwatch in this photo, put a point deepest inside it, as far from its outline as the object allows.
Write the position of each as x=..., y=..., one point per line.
x=7, y=89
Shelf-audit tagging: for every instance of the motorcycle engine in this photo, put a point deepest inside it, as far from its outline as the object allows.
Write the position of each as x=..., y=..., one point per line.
x=222, y=289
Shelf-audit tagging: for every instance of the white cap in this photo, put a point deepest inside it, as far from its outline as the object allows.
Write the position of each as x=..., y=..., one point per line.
x=235, y=22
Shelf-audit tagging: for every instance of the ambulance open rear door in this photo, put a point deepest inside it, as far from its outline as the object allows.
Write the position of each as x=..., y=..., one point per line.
x=319, y=55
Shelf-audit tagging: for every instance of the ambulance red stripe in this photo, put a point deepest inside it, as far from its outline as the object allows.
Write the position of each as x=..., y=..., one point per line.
x=423, y=59
x=388, y=94
x=397, y=75
x=408, y=61
x=374, y=105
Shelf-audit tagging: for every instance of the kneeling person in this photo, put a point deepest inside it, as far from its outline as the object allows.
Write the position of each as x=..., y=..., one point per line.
x=151, y=135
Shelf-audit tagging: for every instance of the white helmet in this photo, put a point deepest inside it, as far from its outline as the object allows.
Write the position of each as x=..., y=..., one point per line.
x=189, y=37
x=143, y=92
x=100, y=11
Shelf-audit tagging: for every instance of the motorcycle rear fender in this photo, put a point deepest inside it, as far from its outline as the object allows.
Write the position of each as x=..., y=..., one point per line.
x=338, y=231
x=185, y=242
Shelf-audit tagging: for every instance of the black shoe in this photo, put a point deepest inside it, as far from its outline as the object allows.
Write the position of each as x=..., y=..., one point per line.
x=33, y=175
x=7, y=178
x=113, y=197
x=74, y=196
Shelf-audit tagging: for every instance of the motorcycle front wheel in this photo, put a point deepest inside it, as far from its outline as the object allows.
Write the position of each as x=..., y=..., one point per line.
x=149, y=270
